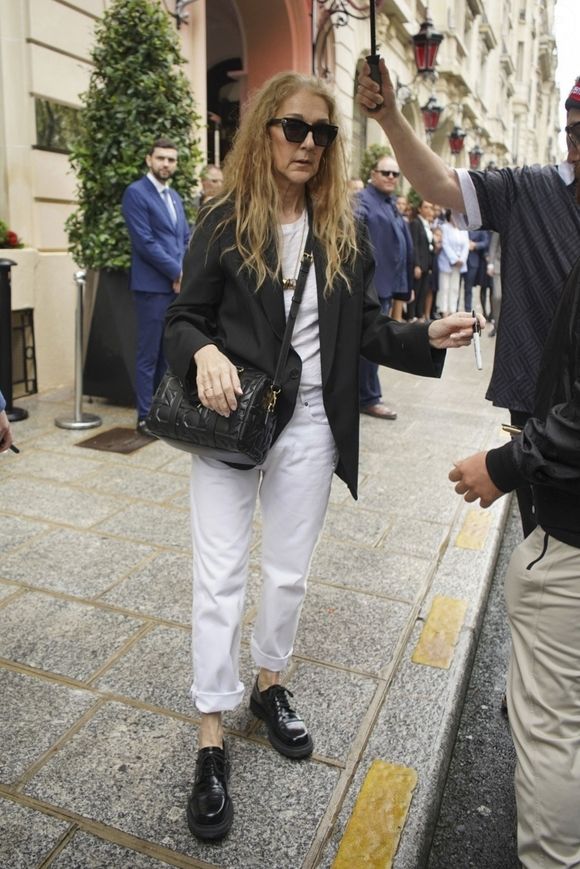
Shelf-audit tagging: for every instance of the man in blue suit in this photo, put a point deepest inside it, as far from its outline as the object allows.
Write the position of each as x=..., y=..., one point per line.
x=393, y=252
x=159, y=235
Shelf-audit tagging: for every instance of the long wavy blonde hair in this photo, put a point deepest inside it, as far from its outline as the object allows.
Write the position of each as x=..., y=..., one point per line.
x=249, y=183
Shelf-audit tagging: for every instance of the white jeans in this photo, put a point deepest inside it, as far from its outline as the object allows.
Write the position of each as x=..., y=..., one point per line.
x=448, y=292
x=294, y=487
x=542, y=589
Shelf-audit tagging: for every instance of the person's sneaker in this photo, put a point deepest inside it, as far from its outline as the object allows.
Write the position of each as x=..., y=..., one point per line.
x=286, y=730
x=210, y=811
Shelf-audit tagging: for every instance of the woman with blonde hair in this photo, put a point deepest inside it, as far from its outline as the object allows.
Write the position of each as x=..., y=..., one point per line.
x=286, y=173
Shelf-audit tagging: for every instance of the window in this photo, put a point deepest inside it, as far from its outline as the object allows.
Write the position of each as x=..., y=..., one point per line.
x=56, y=125
x=520, y=62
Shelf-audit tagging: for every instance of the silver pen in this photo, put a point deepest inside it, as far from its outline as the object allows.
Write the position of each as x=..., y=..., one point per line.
x=477, y=342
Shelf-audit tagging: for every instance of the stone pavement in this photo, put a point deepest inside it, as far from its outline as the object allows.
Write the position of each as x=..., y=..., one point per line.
x=97, y=732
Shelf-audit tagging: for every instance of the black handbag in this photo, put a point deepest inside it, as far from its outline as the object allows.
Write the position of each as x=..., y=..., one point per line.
x=244, y=437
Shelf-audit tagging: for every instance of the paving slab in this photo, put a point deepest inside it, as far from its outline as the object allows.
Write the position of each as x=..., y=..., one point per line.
x=14, y=531
x=6, y=590
x=160, y=525
x=161, y=588
x=355, y=630
x=62, y=636
x=140, y=483
x=36, y=713
x=26, y=836
x=417, y=537
x=44, y=500
x=355, y=524
x=131, y=769
x=84, y=851
x=74, y=562
x=156, y=670
x=44, y=465
x=370, y=569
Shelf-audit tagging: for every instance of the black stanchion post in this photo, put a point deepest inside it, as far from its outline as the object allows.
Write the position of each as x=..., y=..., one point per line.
x=14, y=414
x=80, y=420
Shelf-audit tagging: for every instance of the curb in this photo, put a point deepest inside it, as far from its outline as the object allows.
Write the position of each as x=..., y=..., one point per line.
x=417, y=723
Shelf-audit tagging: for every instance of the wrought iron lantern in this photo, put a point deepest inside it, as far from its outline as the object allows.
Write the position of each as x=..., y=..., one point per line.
x=426, y=45
x=431, y=112
x=456, y=139
x=475, y=156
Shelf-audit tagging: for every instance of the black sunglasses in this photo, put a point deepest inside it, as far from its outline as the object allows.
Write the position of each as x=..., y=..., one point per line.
x=388, y=173
x=296, y=131
x=573, y=137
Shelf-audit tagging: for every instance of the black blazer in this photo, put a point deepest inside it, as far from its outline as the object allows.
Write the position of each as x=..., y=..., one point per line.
x=422, y=256
x=219, y=304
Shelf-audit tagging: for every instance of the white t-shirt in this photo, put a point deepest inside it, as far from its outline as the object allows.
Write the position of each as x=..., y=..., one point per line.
x=306, y=335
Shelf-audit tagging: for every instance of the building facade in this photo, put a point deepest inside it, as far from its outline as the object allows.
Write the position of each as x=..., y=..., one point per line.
x=495, y=78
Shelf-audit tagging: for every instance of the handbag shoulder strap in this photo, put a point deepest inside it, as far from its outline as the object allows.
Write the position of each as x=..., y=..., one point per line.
x=305, y=264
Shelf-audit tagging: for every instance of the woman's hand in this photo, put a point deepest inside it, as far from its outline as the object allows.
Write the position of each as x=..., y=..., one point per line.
x=217, y=380
x=456, y=330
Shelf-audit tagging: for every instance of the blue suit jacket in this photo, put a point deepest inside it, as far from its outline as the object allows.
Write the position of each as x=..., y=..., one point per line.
x=392, y=244
x=481, y=238
x=157, y=246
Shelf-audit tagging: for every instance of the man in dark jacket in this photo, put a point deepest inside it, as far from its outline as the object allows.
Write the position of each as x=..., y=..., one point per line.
x=422, y=238
x=393, y=251
x=542, y=589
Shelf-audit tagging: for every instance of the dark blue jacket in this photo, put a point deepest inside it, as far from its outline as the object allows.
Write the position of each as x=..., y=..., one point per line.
x=157, y=246
x=481, y=238
x=391, y=240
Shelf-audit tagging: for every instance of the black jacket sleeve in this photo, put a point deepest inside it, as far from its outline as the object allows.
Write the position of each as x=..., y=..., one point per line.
x=402, y=346
x=547, y=453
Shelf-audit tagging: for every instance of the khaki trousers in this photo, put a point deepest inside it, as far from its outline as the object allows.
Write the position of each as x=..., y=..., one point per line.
x=542, y=590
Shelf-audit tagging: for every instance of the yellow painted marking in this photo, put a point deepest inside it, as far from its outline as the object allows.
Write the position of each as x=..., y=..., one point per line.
x=373, y=831
x=474, y=531
x=440, y=632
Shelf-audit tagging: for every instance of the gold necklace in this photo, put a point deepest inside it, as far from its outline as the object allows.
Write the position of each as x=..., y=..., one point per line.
x=290, y=283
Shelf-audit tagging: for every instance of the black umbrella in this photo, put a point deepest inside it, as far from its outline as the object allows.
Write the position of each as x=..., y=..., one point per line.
x=373, y=58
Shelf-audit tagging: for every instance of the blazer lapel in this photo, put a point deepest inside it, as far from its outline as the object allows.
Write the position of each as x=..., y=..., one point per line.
x=328, y=313
x=272, y=300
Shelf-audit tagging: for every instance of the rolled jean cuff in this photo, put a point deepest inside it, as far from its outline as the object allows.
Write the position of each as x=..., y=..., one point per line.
x=266, y=661
x=205, y=701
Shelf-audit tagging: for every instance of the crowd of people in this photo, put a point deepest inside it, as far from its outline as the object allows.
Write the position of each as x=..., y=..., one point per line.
x=391, y=284
x=433, y=235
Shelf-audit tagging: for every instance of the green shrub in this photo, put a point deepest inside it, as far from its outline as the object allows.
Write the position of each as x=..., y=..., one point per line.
x=137, y=93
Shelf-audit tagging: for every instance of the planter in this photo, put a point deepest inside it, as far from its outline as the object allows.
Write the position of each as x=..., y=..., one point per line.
x=109, y=369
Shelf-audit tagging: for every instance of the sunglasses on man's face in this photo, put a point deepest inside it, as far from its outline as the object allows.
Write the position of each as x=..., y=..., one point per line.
x=295, y=131
x=388, y=173
x=573, y=134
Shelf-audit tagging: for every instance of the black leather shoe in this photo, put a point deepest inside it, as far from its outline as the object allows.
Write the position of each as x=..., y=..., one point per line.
x=210, y=810
x=286, y=730
x=141, y=428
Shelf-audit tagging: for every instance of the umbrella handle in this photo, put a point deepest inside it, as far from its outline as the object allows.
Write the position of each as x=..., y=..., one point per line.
x=373, y=62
